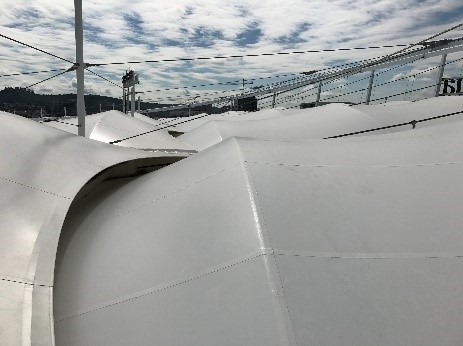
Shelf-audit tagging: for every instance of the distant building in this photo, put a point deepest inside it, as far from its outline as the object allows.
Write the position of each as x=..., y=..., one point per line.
x=184, y=112
x=247, y=104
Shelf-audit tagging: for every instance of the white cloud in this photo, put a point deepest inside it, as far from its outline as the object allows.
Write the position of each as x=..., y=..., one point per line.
x=200, y=28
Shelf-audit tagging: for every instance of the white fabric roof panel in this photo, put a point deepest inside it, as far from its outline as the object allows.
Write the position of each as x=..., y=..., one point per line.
x=249, y=242
x=395, y=113
x=316, y=122
x=68, y=124
x=323, y=121
x=358, y=241
x=41, y=172
x=187, y=124
x=114, y=125
x=388, y=301
x=236, y=296
x=164, y=123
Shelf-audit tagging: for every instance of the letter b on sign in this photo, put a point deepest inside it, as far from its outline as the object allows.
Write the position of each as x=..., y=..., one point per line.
x=452, y=85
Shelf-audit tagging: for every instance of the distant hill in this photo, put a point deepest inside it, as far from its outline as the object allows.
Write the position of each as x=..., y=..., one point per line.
x=27, y=103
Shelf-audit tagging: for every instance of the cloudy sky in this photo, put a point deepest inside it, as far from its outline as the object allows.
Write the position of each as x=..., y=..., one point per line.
x=121, y=31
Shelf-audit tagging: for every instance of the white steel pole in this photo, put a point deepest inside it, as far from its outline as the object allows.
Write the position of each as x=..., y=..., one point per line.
x=79, y=33
x=319, y=92
x=132, y=103
x=127, y=100
x=440, y=74
x=64, y=111
x=123, y=100
x=370, y=87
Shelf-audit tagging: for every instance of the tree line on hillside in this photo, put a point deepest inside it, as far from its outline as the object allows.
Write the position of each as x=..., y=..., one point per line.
x=29, y=104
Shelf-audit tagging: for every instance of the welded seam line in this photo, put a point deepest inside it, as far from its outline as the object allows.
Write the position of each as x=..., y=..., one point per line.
x=282, y=315
x=50, y=316
x=23, y=282
x=218, y=130
x=252, y=199
x=399, y=136
x=74, y=157
x=170, y=151
x=168, y=285
x=170, y=194
x=131, y=157
x=34, y=188
x=339, y=255
x=357, y=166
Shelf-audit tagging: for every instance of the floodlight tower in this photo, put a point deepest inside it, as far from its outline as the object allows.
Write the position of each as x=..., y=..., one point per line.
x=129, y=80
x=79, y=33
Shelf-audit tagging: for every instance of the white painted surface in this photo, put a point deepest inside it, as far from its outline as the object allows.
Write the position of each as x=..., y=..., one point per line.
x=311, y=123
x=287, y=239
x=114, y=125
x=324, y=121
x=41, y=172
x=187, y=124
x=357, y=241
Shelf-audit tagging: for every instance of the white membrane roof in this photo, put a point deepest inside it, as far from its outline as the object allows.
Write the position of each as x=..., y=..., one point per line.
x=41, y=172
x=305, y=124
x=321, y=122
x=271, y=235
x=351, y=241
x=114, y=125
x=186, y=124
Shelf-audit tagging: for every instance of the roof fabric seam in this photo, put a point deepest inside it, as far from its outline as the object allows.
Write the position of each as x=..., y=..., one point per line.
x=341, y=255
x=168, y=285
x=413, y=123
x=72, y=157
x=218, y=130
x=106, y=124
x=168, y=151
x=94, y=127
x=24, y=282
x=357, y=166
x=402, y=135
x=34, y=188
x=280, y=305
x=170, y=194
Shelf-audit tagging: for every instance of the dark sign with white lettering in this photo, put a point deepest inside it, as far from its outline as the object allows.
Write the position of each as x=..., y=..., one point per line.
x=452, y=86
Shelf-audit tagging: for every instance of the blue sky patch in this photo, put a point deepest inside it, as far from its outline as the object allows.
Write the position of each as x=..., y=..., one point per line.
x=135, y=32
x=251, y=35
x=92, y=34
x=295, y=36
x=27, y=19
x=204, y=37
